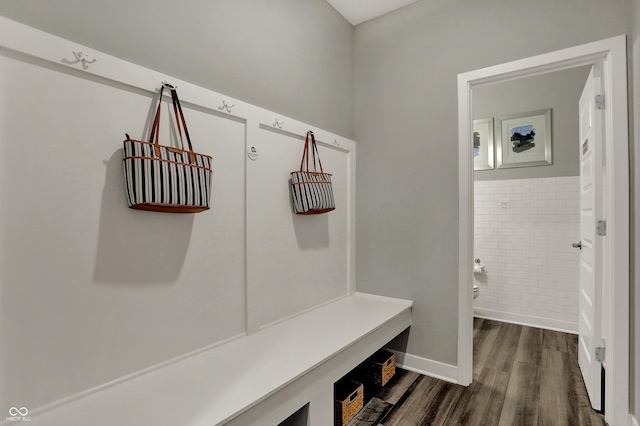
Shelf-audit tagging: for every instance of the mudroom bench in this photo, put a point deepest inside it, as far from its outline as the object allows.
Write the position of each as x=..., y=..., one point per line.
x=281, y=375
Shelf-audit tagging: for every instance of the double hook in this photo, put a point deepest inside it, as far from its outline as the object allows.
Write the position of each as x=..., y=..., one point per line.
x=225, y=106
x=83, y=57
x=80, y=57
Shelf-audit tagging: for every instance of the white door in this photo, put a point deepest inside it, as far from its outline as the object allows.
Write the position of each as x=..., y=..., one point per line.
x=590, y=305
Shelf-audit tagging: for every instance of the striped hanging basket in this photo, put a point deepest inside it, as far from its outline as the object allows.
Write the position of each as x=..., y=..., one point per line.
x=311, y=191
x=166, y=179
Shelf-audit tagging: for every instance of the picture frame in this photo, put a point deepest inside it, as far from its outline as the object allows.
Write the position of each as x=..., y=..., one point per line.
x=483, y=144
x=524, y=140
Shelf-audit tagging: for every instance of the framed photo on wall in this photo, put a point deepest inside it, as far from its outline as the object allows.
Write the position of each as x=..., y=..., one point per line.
x=524, y=140
x=483, y=144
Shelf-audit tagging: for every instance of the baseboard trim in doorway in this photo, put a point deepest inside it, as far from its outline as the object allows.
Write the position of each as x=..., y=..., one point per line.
x=537, y=322
x=428, y=367
x=632, y=420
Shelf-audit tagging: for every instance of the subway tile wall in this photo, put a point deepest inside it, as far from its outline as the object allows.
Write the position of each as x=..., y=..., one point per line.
x=523, y=234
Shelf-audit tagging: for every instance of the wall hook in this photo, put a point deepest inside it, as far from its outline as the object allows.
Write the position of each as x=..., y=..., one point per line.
x=83, y=57
x=80, y=57
x=278, y=124
x=226, y=106
x=169, y=86
x=253, y=153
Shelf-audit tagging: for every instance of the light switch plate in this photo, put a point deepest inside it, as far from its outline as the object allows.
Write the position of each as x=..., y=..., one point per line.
x=504, y=204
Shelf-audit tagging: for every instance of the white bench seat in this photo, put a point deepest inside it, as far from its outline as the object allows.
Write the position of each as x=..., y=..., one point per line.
x=272, y=372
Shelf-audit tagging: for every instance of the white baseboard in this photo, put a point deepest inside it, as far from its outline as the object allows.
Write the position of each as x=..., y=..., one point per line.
x=537, y=322
x=435, y=369
x=632, y=420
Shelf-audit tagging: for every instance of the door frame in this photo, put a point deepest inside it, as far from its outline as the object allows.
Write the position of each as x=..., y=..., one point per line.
x=613, y=52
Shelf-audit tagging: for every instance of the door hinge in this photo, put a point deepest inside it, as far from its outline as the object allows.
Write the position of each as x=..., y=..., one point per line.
x=600, y=353
x=600, y=101
x=601, y=227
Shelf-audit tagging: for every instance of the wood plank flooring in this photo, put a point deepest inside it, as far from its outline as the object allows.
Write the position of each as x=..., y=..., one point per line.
x=521, y=376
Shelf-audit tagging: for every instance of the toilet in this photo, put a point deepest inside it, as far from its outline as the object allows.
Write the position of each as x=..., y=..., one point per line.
x=478, y=269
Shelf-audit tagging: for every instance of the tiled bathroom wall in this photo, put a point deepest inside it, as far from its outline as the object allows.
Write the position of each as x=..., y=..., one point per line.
x=523, y=234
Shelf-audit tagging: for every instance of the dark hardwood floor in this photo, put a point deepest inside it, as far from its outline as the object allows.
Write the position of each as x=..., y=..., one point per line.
x=521, y=376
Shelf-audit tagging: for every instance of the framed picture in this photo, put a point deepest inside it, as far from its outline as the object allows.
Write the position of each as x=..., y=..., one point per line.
x=483, y=144
x=524, y=140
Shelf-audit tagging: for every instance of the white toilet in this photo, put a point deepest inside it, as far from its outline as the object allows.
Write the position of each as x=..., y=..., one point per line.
x=478, y=269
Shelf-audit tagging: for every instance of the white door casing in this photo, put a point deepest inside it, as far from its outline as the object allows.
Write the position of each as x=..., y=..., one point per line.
x=590, y=291
x=613, y=52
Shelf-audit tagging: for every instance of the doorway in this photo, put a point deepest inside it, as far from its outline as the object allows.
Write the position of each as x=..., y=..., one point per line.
x=613, y=53
x=526, y=217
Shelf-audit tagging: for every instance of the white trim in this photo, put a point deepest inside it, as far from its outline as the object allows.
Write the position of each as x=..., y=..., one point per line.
x=465, y=234
x=614, y=54
x=529, y=321
x=428, y=367
x=280, y=380
x=617, y=257
x=22, y=41
x=632, y=420
x=34, y=46
x=297, y=314
x=25, y=40
x=129, y=377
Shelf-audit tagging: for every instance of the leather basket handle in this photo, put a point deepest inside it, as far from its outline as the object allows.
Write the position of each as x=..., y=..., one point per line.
x=314, y=153
x=180, y=121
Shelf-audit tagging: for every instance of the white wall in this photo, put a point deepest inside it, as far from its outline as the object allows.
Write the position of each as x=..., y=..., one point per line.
x=404, y=102
x=93, y=291
x=294, y=262
x=289, y=56
x=531, y=271
x=406, y=64
x=558, y=91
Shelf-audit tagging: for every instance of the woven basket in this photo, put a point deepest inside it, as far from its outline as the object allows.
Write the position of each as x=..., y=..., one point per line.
x=381, y=367
x=349, y=400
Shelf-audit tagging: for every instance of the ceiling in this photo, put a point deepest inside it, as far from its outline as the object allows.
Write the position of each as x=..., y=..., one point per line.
x=358, y=11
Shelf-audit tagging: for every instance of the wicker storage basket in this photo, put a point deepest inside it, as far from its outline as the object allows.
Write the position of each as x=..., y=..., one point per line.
x=381, y=367
x=349, y=400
